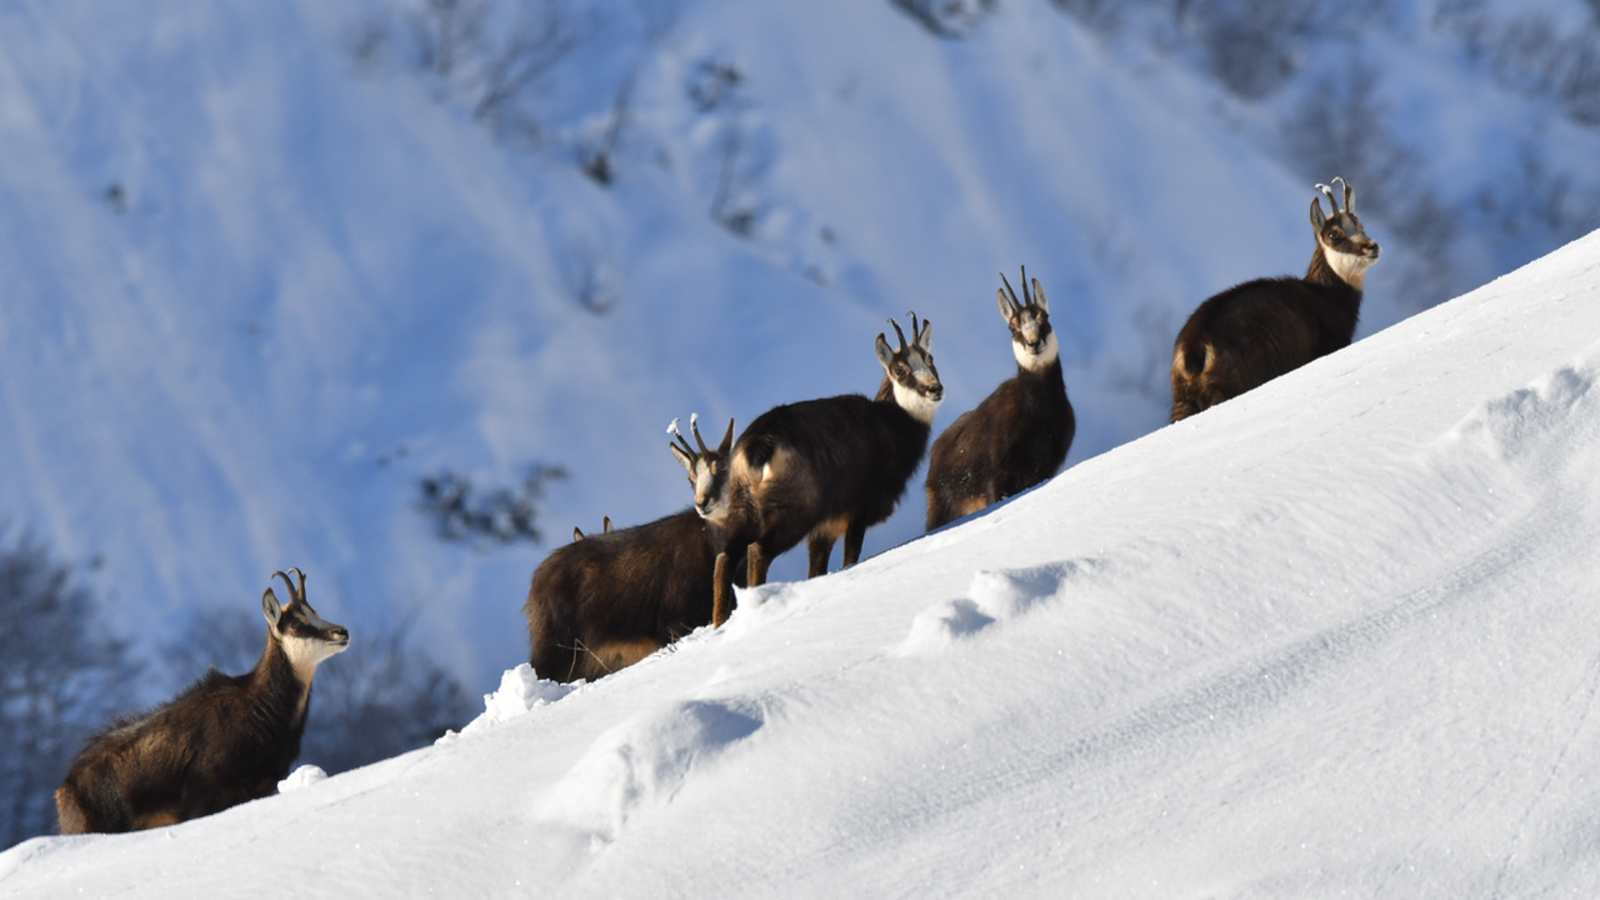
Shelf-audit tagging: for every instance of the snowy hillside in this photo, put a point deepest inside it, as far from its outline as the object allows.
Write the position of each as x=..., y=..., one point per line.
x=256, y=288
x=1335, y=636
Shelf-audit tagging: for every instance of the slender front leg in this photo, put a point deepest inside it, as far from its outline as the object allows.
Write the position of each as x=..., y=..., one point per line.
x=853, y=536
x=756, y=564
x=821, y=547
x=721, y=580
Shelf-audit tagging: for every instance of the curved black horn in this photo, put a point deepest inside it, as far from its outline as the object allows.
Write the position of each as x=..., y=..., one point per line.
x=678, y=439
x=900, y=334
x=694, y=426
x=1328, y=192
x=1015, y=303
x=293, y=595
x=1346, y=191
x=916, y=326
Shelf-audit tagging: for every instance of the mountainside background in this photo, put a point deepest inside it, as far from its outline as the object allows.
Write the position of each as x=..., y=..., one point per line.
x=270, y=269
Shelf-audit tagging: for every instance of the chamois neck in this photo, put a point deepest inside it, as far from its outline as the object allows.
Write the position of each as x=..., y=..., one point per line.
x=908, y=401
x=1322, y=271
x=1046, y=375
x=885, y=391
x=278, y=688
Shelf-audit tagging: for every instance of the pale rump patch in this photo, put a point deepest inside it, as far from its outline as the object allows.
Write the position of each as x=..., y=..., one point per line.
x=1179, y=370
x=613, y=655
x=971, y=505
x=1034, y=362
x=159, y=819
x=775, y=468
x=69, y=815
x=833, y=528
x=1350, y=267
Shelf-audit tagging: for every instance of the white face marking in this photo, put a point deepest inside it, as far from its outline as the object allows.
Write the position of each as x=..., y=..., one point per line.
x=921, y=408
x=702, y=481
x=1350, y=267
x=306, y=653
x=1046, y=356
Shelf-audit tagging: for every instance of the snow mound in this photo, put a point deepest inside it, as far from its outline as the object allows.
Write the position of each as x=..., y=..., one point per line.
x=301, y=778
x=1557, y=409
x=521, y=690
x=642, y=762
x=995, y=597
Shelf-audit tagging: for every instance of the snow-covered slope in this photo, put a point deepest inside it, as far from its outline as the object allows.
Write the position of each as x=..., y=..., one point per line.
x=321, y=281
x=1335, y=636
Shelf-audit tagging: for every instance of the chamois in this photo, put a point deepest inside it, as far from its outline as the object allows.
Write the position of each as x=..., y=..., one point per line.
x=226, y=740
x=609, y=600
x=817, y=469
x=1019, y=435
x=1256, y=331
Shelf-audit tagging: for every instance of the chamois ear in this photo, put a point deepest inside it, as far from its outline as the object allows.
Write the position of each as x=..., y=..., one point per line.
x=683, y=457
x=1317, y=217
x=885, y=355
x=577, y=534
x=1006, y=312
x=270, y=608
x=925, y=339
x=1038, y=296
x=605, y=524
x=727, y=441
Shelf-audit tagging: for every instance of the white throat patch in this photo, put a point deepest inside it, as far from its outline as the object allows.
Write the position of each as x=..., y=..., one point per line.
x=1350, y=267
x=921, y=408
x=1044, y=359
x=305, y=654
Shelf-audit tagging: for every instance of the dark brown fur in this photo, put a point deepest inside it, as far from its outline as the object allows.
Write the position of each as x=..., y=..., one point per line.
x=1016, y=438
x=842, y=465
x=224, y=741
x=603, y=603
x=1259, y=330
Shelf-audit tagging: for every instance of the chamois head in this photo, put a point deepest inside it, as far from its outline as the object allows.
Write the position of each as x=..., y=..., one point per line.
x=707, y=468
x=305, y=637
x=910, y=369
x=1343, y=241
x=1033, y=341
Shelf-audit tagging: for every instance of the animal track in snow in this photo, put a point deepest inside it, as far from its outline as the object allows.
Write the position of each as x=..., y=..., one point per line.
x=642, y=762
x=1520, y=424
x=995, y=596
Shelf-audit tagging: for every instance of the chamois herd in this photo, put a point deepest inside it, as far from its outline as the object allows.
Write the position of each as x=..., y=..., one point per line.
x=816, y=470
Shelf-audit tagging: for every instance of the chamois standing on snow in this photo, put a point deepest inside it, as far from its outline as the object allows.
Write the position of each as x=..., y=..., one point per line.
x=226, y=740
x=817, y=469
x=608, y=600
x=1019, y=435
x=1252, y=333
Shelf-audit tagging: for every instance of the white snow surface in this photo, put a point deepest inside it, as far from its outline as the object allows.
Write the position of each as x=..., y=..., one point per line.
x=1335, y=637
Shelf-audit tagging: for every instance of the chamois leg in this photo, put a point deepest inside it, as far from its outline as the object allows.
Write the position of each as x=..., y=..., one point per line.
x=721, y=581
x=853, y=536
x=756, y=565
x=821, y=547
